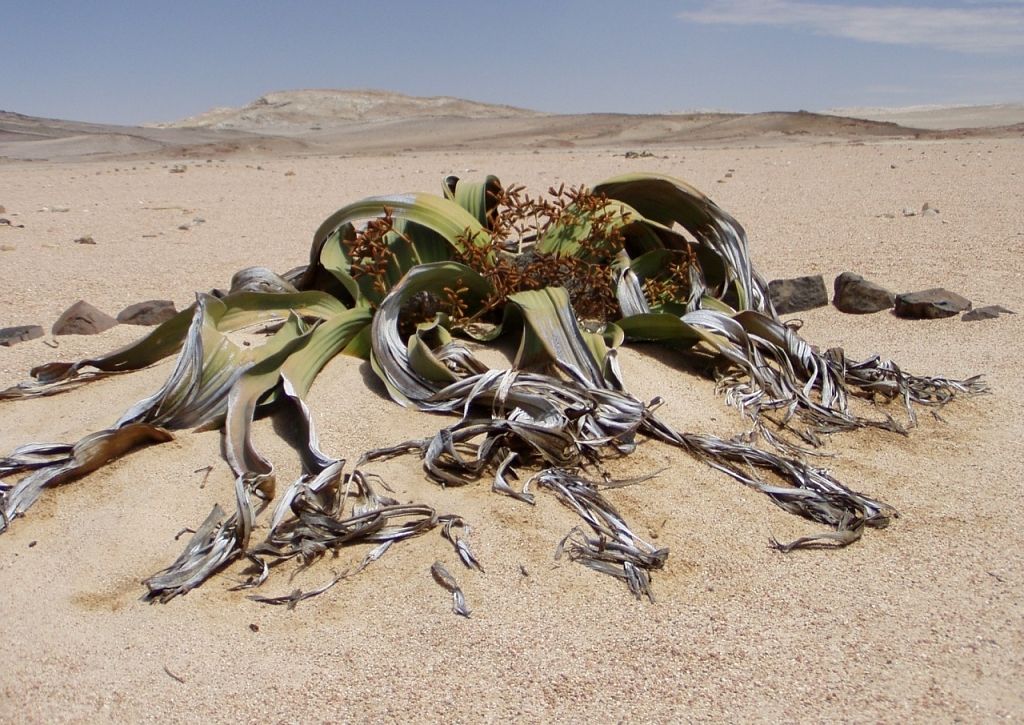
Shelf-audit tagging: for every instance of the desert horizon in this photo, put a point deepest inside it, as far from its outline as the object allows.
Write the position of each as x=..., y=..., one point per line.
x=917, y=622
x=336, y=121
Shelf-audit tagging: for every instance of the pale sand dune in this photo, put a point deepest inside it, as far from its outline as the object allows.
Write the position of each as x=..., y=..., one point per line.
x=923, y=621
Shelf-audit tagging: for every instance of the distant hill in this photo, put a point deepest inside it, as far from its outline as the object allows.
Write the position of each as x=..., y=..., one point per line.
x=942, y=118
x=369, y=122
x=324, y=108
x=31, y=138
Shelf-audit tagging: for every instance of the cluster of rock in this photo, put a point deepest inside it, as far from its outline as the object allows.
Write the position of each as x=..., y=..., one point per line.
x=855, y=295
x=83, y=318
x=852, y=294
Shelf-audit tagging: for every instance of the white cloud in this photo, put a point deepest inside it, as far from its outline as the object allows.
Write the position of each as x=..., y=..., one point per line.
x=981, y=27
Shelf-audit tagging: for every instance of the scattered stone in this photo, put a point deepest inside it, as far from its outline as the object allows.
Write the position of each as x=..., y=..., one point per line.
x=638, y=155
x=150, y=312
x=194, y=223
x=892, y=166
x=13, y=335
x=3, y=209
x=928, y=210
x=7, y=247
x=907, y=211
x=87, y=239
x=8, y=223
x=82, y=319
x=930, y=304
x=989, y=312
x=888, y=215
x=289, y=173
x=857, y=296
x=798, y=294
x=178, y=169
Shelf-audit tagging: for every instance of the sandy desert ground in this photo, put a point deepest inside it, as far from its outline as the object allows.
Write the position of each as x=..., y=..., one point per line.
x=920, y=622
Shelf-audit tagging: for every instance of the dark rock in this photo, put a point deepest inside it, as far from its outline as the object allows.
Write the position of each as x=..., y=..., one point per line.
x=150, y=312
x=82, y=319
x=13, y=335
x=930, y=304
x=87, y=239
x=798, y=294
x=990, y=312
x=857, y=296
x=260, y=279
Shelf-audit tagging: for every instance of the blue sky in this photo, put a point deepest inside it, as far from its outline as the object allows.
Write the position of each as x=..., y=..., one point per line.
x=131, y=62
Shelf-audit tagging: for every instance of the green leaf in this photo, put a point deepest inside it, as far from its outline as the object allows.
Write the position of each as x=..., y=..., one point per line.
x=248, y=308
x=446, y=218
x=667, y=200
x=340, y=333
x=479, y=198
x=390, y=356
x=576, y=225
x=660, y=327
x=552, y=333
